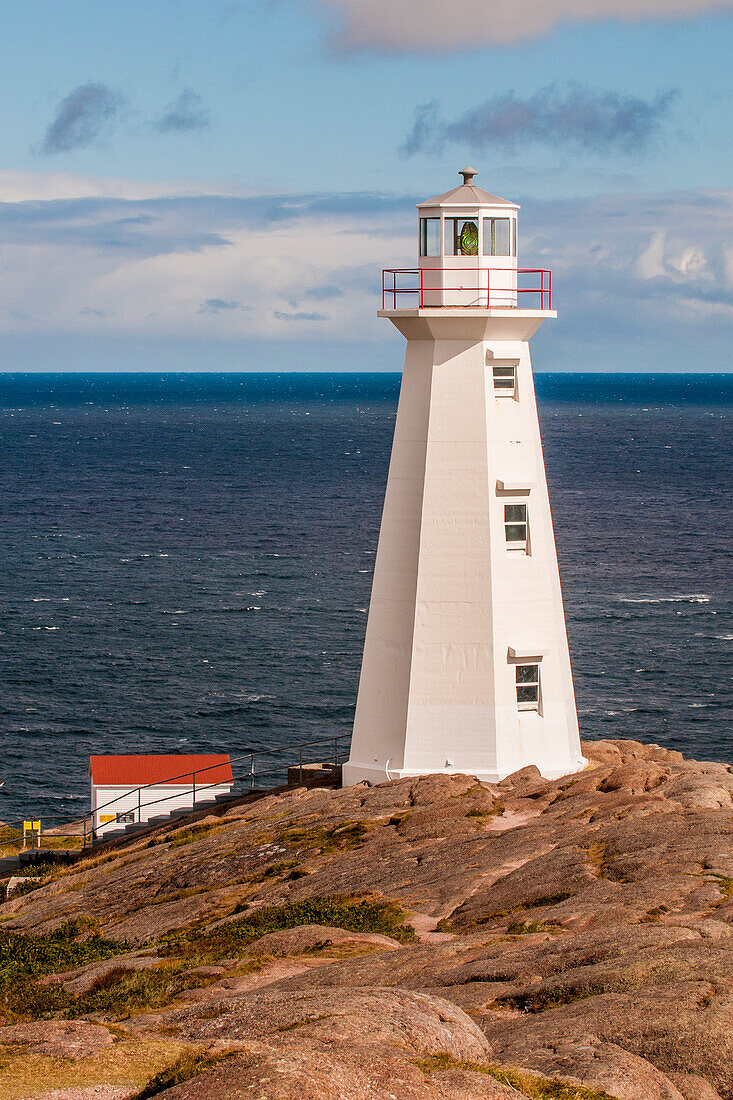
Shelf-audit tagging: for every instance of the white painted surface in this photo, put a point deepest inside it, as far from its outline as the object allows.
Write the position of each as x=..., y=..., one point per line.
x=147, y=802
x=454, y=609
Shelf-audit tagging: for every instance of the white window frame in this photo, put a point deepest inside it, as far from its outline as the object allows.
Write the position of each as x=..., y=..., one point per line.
x=516, y=544
x=499, y=374
x=424, y=235
x=528, y=704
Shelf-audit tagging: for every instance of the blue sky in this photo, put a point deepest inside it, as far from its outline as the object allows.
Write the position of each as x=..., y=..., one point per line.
x=190, y=185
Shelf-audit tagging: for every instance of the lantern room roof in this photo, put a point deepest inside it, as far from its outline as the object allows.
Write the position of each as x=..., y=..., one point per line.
x=467, y=194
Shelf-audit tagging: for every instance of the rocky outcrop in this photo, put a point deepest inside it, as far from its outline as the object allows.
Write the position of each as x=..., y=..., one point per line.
x=576, y=930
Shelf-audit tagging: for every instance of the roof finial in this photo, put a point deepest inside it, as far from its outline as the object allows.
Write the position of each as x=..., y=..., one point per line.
x=468, y=174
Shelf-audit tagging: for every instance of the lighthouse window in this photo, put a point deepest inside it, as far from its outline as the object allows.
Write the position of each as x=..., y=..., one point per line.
x=461, y=237
x=497, y=237
x=515, y=526
x=505, y=381
x=528, y=687
x=429, y=236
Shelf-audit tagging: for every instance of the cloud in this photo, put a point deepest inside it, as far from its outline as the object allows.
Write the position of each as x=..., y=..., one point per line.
x=216, y=305
x=84, y=117
x=281, y=316
x=182, y=223
x=575, y=117
x=184, y=114
x=631, y=273
x=323, y=293
x=438, y=26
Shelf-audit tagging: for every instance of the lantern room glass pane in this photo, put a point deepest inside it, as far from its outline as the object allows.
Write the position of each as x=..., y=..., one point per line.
x=497, y=237
x=502, y=246
x=461, y=237
x=430, y=236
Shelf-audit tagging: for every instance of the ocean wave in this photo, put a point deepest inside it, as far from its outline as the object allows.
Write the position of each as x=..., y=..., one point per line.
x=234, y=610
x=692, y=597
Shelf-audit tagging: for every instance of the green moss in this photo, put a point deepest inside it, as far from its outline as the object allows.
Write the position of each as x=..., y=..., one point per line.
x=184, y=1068
x=527, y=1084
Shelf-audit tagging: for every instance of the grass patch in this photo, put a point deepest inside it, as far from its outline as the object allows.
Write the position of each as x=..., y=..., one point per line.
x=401, y=818
x=328, y=839
x=597, y=858
x=528, y=1084
x=276, y=870
x=654, y=914
x=548, y=899
x=196, y=832
x=725, y=884
x=189, y=1065
x=128, y=1063
x=527, y=927
x=25, y=959
x=122, y=992
x=355, y=915
x=445, y=924
x=541, y=1000
x=495, y=810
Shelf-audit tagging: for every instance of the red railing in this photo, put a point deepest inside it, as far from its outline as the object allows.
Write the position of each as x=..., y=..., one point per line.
x=492, y=293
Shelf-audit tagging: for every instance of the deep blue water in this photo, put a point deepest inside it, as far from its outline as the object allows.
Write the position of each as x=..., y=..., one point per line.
x=186, y=561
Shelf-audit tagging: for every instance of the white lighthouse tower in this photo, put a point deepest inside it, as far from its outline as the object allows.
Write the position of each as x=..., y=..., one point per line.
x=466, y=665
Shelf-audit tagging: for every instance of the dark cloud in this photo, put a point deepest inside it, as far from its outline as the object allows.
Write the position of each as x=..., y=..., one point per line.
x=574, y=117
x=82, y=118
x=427, y=130
x=299, y=316
x=184, y=114
x=216, y=305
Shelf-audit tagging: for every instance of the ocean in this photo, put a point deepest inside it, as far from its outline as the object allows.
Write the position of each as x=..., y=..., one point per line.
x=186, y=562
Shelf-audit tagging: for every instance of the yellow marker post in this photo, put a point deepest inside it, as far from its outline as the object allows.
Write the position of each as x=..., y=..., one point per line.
x=32, y=830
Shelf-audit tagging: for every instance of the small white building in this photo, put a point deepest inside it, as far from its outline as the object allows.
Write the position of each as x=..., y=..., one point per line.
x=128, y=790
x=466, y=665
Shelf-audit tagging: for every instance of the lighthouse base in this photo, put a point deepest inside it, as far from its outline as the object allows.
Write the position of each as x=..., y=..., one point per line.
x=383, y=773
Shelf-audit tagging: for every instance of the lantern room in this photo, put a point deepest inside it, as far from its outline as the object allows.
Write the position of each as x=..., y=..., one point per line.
x=467, y=257
x=467, y=246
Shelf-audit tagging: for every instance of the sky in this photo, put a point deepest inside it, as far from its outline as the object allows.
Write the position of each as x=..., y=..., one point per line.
x=210, y=185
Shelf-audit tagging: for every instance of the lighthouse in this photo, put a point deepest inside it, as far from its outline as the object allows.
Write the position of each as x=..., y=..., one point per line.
x=466, y=665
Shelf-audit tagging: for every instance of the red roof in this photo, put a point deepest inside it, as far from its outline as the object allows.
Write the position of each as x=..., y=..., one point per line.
x=136, y=771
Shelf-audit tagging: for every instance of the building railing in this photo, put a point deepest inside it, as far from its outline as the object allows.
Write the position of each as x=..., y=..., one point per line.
x=494, y=287
x=245, y=778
